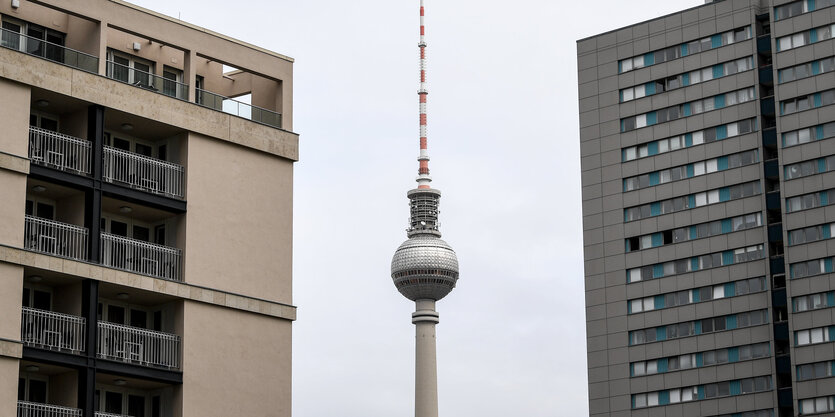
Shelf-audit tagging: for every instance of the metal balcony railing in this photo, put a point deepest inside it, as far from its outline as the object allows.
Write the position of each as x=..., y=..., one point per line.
x=140, y=346
x=141, y=257
x=59, y=151
x=142, y=172
x=55, y=238
x=237, y=108
x=146, y=80
x=28, y=409
x=48, y=50
x=103, y=414
x=51, y=330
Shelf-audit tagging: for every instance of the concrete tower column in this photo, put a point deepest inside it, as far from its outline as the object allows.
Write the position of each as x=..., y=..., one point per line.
x=426, y=366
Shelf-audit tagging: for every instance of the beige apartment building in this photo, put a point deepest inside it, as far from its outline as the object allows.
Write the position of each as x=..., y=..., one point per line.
x=145, y=216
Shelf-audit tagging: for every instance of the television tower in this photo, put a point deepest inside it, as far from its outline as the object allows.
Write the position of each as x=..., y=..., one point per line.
x=424, y=268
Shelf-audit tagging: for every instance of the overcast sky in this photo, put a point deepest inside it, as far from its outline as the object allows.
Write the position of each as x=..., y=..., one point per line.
x=504, y=142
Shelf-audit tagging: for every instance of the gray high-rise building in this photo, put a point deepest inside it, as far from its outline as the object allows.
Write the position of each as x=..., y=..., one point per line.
x=708, y=170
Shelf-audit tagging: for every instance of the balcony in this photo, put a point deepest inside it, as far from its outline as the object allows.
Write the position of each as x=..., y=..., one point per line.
x=54, y=331
x=142, y=172
x=238, y=108
x=29, y=409
x=140, y=346
x=48, y=50
x=147, y=80
x=141, y=257
x=55, y=238
x=59, y=151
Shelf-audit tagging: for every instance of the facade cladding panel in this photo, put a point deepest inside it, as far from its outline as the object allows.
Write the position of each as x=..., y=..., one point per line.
x=707, y=159
x=144, y=266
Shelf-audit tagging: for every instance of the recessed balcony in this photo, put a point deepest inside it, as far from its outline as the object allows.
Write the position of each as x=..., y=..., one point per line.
x=142, y=172
x=59, y=151
x=32, y=409
x=138, y=346
x=141, y=257
x=238, y=108
x=12, y=38
x=127, y=73
x=55, y=238
x=52, y=331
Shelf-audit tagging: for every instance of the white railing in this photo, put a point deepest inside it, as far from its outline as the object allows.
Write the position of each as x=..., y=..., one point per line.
x=141, y=257
x=103, y=414
x=51, y=330
x=142, y=172
x=55, y=238
x=59, y=151
x=27, y=409
x=140, y=346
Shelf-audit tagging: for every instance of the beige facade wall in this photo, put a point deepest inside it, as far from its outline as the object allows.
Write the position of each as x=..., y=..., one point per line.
x=15, y=110
x=11, y=292
x=239, y=223
x=235, y=363
x=9, y=371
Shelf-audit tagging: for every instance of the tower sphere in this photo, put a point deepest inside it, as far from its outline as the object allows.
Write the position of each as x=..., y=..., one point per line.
x=424, y=267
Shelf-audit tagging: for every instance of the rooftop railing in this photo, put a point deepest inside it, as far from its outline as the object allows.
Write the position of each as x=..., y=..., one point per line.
x=51, y=330
x=48, y=50
x=146, y=80
x=238, y=108
x=59, y=151
x=140, y=257
x=29, y=409
x=55, y=238
x=140, y=346
x=142, y=172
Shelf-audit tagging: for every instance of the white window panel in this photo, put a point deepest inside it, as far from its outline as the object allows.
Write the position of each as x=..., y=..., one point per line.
x=631, y=153
x=649, y=304
x=698, y=138
x=675, y=396
x=652, y=399
x=628, y=94
x=635, y=275
x=701, y=199
x=695, y=77
x=637, y=306
x=641, y=120
x=626, y=65
x=639, y=369
x=712, y=165
x=646, y=241
x=640, y=91
x=638, y=61
x=719, y=291
x=640, y=400
x=675, y=143
x=798, y=40
x=698, y=168
x=733, y=129
x=652, y=367
x=713, y=196
x=803, y=337
x=816, y=335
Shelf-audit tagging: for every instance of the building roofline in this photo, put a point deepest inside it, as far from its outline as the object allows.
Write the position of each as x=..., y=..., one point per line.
x=641, y=22
x=201, y=29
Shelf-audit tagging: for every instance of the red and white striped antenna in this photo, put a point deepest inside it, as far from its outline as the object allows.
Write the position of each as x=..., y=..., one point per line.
x=423, y=178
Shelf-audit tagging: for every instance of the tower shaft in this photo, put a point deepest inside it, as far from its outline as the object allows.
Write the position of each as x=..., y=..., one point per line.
x=426, y=366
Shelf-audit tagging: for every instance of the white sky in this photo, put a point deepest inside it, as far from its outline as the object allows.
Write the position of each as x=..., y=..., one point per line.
x=503, y=136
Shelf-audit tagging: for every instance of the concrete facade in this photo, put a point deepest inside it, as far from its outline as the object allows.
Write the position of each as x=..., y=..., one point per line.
x=696, y=286
x=145, y=216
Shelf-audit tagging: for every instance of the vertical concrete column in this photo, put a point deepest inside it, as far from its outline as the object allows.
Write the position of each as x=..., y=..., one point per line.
x=426, y=367
x=190, y=73
x=102, y=48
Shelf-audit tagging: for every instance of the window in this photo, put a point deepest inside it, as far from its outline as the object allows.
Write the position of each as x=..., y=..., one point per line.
x=687, y=109
x=33, y=39
x=172, y=83
x=816, y=405
x=812, y=336
x=131, y=69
